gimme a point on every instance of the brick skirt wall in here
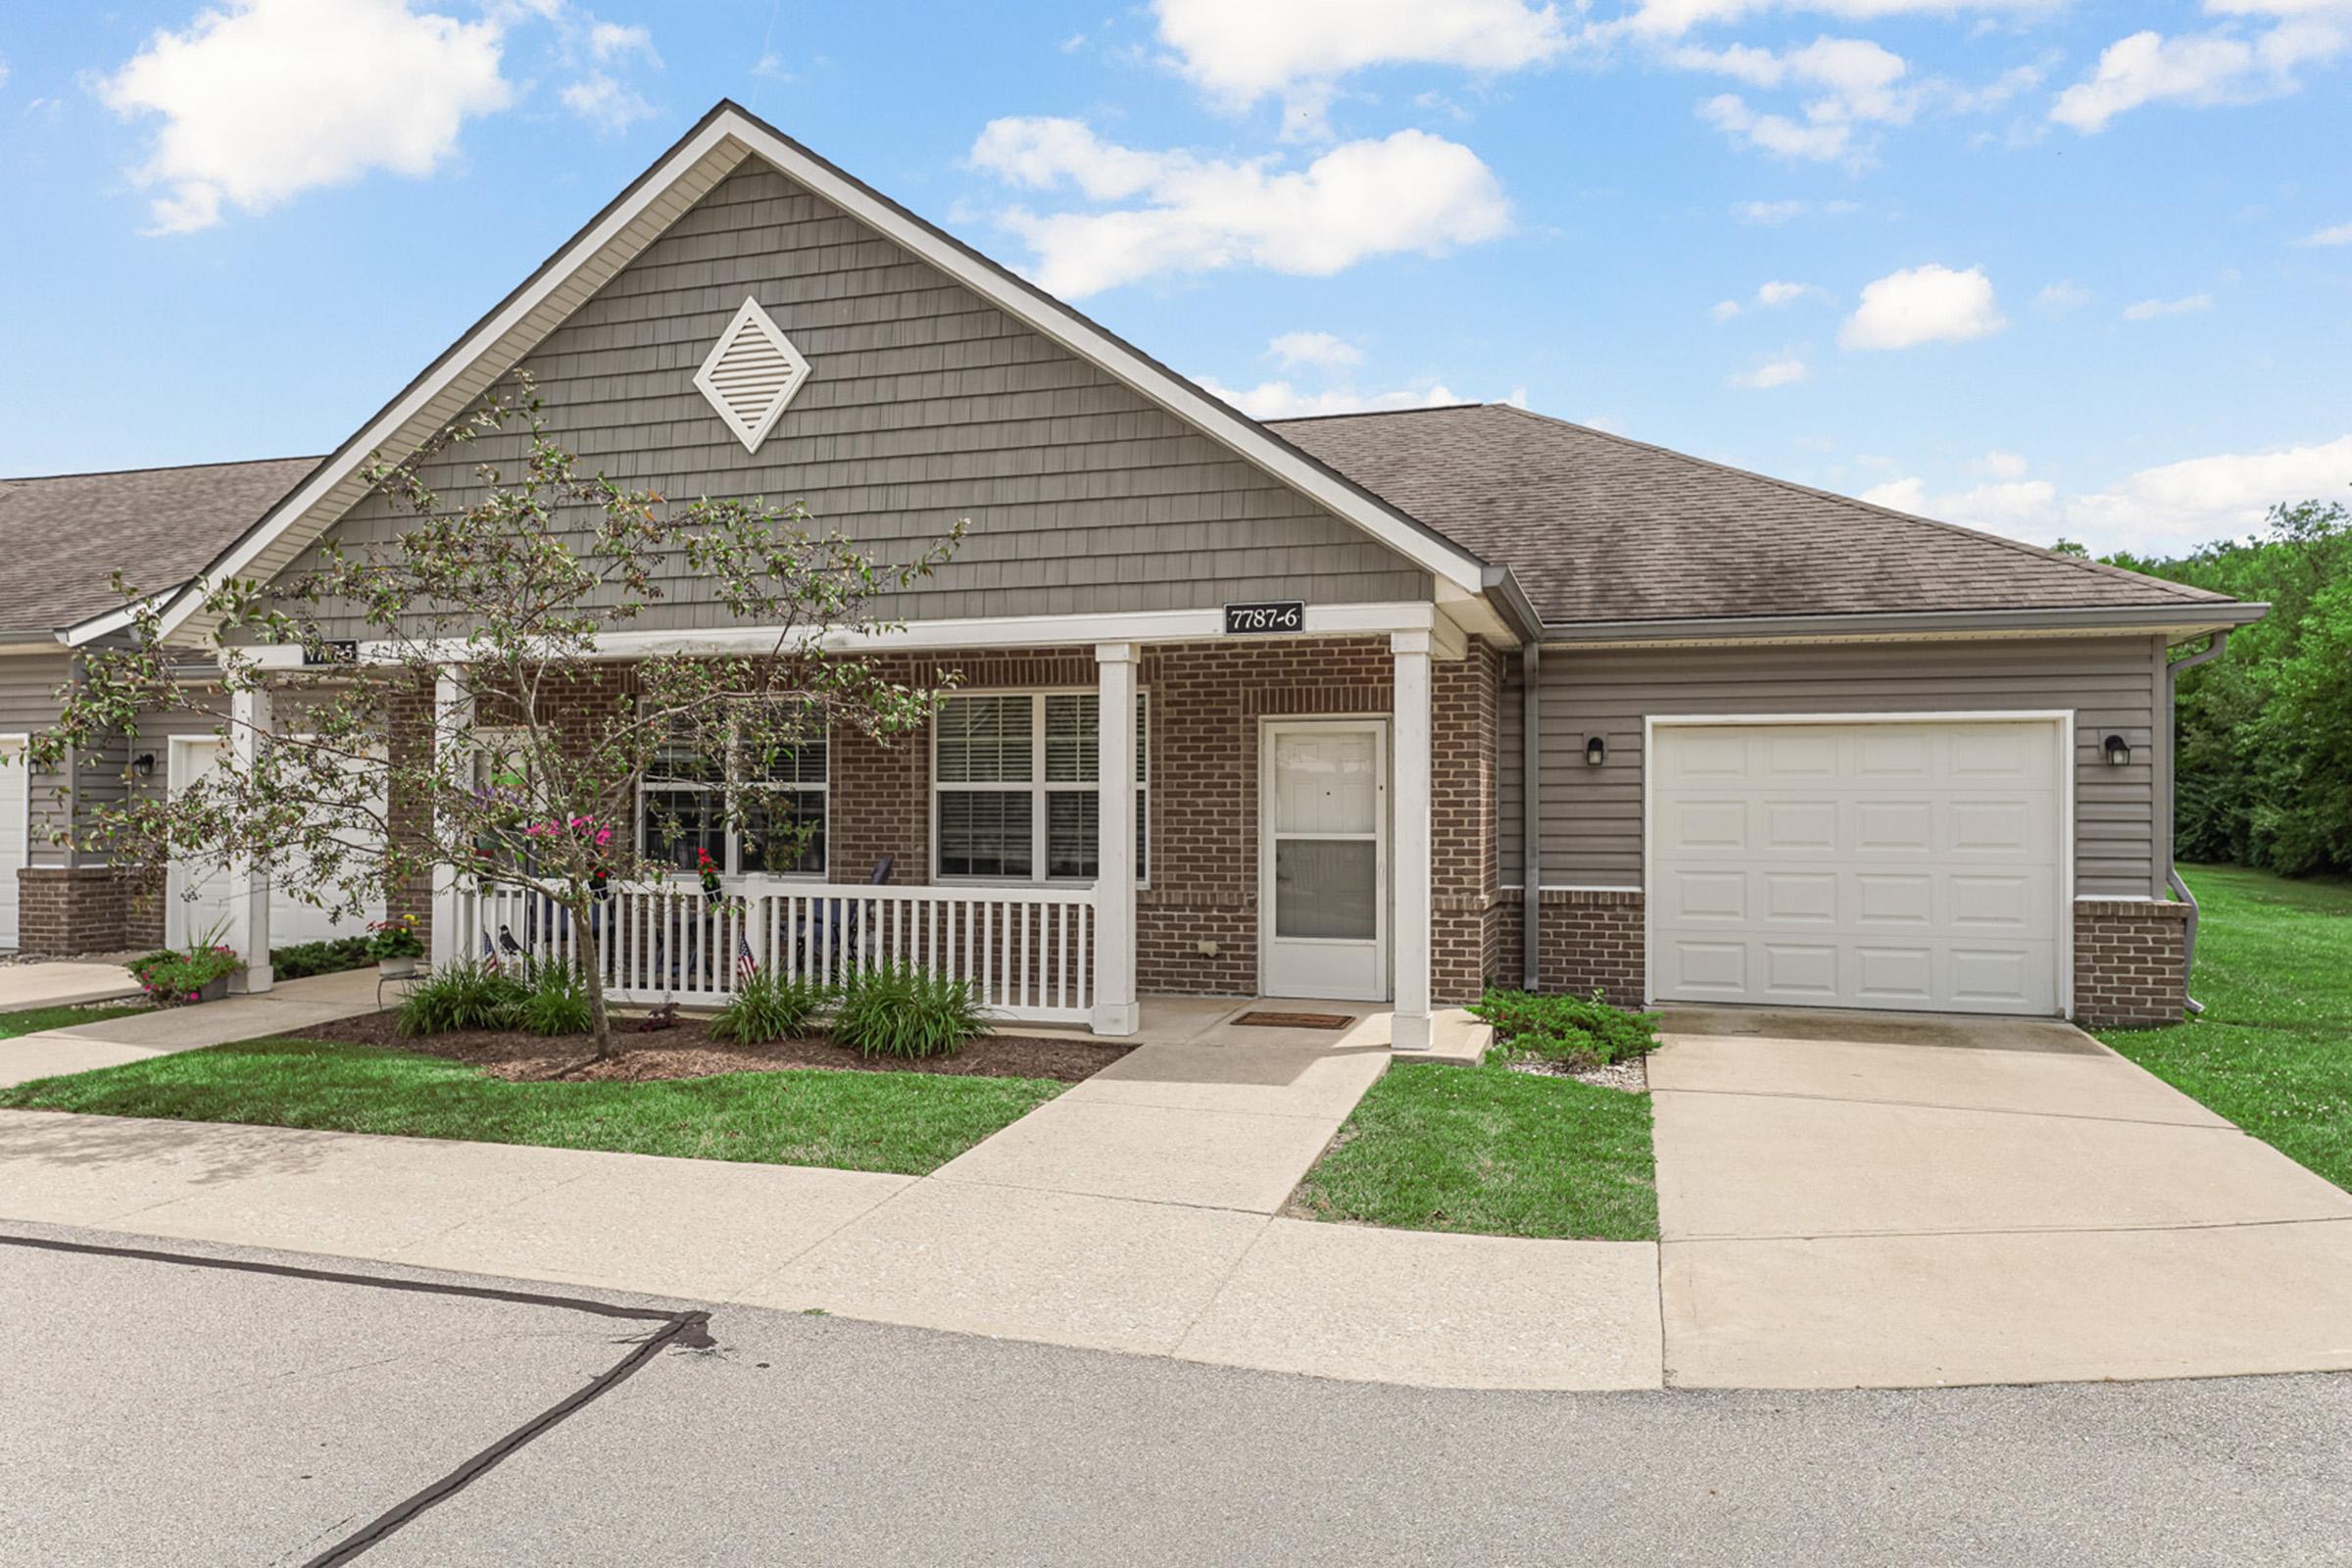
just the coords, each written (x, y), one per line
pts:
(1591, 941)
(64, 910)
(2131, 963)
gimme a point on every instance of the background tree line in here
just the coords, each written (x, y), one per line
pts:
(2265, 761)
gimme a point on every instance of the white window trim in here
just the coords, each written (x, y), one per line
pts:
(733, 870)
(1038, 787)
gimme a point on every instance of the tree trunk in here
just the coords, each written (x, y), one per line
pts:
(591, 949)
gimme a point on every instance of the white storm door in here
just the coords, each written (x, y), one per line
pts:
(1323, 859)
(1903, 864)
(291, 919)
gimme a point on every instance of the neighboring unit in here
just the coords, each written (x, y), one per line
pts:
(1401, 703)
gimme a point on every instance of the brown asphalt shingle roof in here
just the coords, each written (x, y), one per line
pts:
(63, 537)
(1597, 527)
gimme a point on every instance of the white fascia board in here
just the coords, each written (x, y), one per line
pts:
(118, 618)
(950, 636)
(1446, 561)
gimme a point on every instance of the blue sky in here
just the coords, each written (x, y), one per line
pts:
(2045, 267)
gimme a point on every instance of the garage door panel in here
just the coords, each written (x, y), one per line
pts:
(1873, 865)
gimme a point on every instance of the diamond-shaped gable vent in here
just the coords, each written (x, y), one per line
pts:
(751, 374)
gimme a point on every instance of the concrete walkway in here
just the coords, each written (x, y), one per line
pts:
(292, 1005)
(1895, 1201)
(1137, 1212)
(62, 983)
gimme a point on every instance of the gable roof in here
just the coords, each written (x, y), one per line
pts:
(68, 533)
(1603, 530)
(722, 139)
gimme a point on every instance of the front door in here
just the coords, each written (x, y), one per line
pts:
(1323, 859)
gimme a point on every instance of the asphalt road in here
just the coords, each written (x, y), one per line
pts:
(156, 1412)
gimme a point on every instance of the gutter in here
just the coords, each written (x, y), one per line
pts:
(2181, 618)
(2172, 873)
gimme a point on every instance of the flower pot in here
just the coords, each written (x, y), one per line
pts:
(214, 989)
(397, 968)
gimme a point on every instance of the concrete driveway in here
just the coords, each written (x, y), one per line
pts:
(1879, 1201)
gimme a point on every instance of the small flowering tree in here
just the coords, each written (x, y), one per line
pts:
(482, 731)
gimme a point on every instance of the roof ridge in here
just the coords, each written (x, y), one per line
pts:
(2181, 590)
(158, 467)
(1375, 414)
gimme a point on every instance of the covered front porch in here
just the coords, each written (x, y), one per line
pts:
(1281, 839)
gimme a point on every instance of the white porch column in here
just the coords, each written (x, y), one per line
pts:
(1115, 1010)
(1411, 942)
(452, 715)
(248, 883)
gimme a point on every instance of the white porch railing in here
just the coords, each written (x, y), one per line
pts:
(1029, 952)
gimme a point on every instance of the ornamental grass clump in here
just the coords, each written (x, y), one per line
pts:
(459, 996)
(768, 1006)
(899, 1010)
(1578, 1031)
(554, 1001)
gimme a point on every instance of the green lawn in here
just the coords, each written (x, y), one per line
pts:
(911, 1123)
(1440, 1148)
(2274, 1050)
(32, 1020)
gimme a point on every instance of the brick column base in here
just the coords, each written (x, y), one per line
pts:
(64, 910)
(2131, 963)
(1592, 941)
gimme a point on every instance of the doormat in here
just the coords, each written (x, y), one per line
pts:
(1295, 1020)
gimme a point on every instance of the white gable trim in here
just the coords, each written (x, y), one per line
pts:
(630, 224)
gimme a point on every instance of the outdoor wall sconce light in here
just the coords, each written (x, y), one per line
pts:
(143, 764)
(1596, 750)
(2119, 751)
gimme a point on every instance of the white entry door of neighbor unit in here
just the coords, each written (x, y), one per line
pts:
(1890, 864)
(16, 833)
(186, 918)
(1323, 859)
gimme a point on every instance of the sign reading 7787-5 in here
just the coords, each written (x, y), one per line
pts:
(1288, 614)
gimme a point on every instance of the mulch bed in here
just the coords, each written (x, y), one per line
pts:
(687, 1050)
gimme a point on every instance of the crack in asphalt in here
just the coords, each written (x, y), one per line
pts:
(686, 1330)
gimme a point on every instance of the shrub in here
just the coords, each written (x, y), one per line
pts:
(459, 996)
(1582, 1030)
(899, 1010)
(554, 1001)
(303, 959)
(768, 1006)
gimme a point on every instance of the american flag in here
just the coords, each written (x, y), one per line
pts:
(489, 955)
(744, 964)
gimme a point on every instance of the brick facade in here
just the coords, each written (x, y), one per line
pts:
(2131, 963)
(1591, 941)
(63, 911)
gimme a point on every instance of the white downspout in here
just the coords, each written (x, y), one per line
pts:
(2172, 750)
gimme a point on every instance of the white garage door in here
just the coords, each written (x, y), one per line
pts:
(16, 834)
(1884, 865)
(186, 918)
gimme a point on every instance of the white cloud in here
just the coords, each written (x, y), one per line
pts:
(1671, 18)
(2340, 234)
(1778, 293)
(1322, 350)
(265, 99)
(606, 103)
(1773, 372)
(2002, 464)
(1411, 192)
(1773, 213)
(614, 40)
(2056, 299)
(2150, 309)
(1240, 51)
(1731, 114)
(3, 72)
(2168, 508)
(1928, 304)
(1281, 399)
(2209, 68)
(1724, 309)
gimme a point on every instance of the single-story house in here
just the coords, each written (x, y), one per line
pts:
(1405, 703)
